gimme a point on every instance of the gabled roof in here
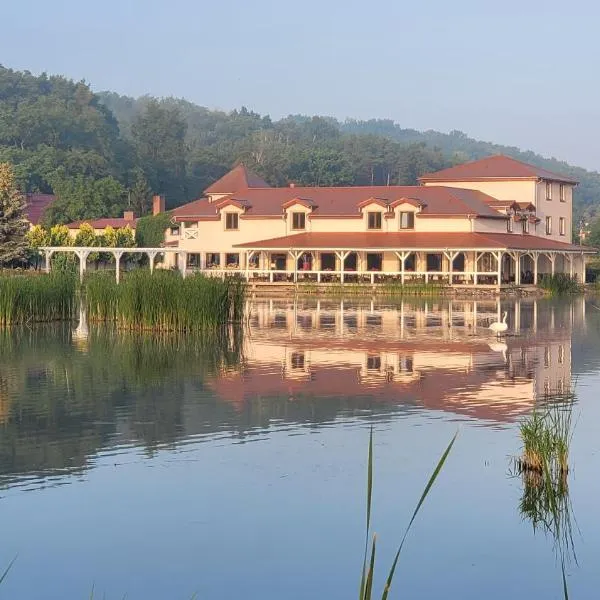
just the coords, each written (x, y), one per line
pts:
(239, 178)
(494, 167)
(35, 206)
(346, 201)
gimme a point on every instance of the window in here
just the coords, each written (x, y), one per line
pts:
(213, 259)
(374, 220)
(193, 260)
(525, 224)
(563, 192)
(458, 264)
(561, 354)
(407, 220)
(231, 221)
(373, 363)
(297, 360)
(548, 190)
(434, 262)
(562, 226)
(232, 261)
(253, 261)
(298, 220)
(548, 225)
(175, 230)
(509, 224)
(374, 261)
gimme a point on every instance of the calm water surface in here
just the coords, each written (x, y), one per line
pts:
(162, 467)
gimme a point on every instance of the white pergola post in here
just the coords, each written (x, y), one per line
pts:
(535, 257)
(342, 255)
(151, 257)
(48, 255)
(499, 266)
(552, 257)
(569, 257)
(117, 254)
(83, 255)
(450, 256)
(401, 257)
(477, 257)
(183, 258)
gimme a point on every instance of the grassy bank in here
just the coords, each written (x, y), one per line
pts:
(164, 301)
(368, 289)
(36, 299)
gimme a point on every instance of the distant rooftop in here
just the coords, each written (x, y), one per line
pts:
(494, 167)
(36, 205)
(239, 178)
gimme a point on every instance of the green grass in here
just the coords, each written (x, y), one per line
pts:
(164, 301)
(36, 298)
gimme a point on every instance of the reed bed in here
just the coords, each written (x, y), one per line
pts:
(546, 437)
(164, 301)
(560, 284)
(36, 299)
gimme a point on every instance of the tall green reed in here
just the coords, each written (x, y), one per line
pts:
(165, 301)
(36, 298)
(368, 570)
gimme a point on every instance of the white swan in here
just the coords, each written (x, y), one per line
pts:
(499, 347)
(499, 326)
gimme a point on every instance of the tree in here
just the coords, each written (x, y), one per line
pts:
(124, 237)
(140, 194)
(13, 224)
(159, 138)
(37, 237)
(59, 236)
(86, 236)
(82, 197)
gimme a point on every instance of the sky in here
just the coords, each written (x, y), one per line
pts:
(522, 73)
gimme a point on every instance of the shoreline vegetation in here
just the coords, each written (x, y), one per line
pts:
(160, 301)
(165, 301)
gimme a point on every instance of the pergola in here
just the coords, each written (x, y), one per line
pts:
(82, 253)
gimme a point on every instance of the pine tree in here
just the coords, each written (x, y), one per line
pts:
(13, 224)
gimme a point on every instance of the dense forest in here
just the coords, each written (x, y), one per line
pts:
(103, 153)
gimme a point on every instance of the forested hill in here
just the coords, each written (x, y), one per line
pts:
(103, 153)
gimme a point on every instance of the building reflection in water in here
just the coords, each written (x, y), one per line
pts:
(435, 354)
(66, 395)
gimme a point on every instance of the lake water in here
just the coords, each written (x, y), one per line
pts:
(163, 467)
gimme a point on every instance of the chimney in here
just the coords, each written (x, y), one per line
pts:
(292, 185)
(158, 204)
(128, 215)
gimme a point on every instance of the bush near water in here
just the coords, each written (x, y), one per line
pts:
(159, 301)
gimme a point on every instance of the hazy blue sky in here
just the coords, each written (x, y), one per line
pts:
(521, 73)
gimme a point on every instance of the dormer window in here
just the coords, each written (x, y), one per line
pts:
(298, 220)
(374, 220)
(407, 220)
(509, 224)
(548, 190)
(231, 221)
(525, 223)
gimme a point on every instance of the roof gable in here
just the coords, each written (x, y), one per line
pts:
(239, 178)
(494, 167)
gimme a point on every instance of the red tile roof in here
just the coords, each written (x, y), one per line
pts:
(36, 204)
(494, 167)
(413, 240)
(238, 178)
(116, 223)
(346, 201)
